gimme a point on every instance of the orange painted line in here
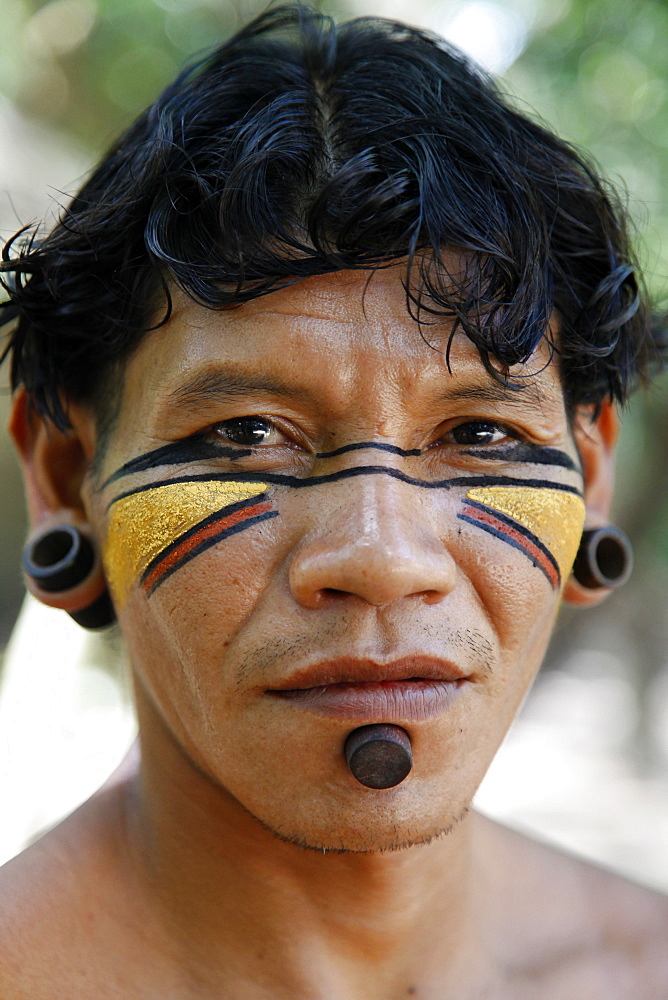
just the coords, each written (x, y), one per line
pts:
(520, 539)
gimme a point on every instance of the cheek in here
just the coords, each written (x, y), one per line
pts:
(176, 555)
(545, 525)
(520, 544)
(156, 531)
(179, 637)
(206, 604)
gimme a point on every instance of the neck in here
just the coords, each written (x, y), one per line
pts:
(238, 901)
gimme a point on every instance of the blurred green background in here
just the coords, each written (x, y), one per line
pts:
(73, 73)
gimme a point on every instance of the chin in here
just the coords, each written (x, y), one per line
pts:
(378, 834)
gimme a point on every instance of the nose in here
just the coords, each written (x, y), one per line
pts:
(377, 544)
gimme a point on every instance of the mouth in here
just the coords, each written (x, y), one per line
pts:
(407, 690)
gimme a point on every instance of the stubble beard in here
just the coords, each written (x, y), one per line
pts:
(400, 840)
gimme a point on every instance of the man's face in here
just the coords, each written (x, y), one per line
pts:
(310, 524)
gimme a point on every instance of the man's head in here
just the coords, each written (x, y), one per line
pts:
(354, 448)
(299, 499)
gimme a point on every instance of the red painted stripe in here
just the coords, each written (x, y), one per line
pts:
(531, 550)
(210, 530)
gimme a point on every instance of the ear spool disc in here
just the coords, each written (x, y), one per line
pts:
(60, 558)
(379, 755)
(604, 558)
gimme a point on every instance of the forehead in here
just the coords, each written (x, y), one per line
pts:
(346, 331)
(345, 312)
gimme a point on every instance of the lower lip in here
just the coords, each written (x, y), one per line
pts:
(389, 701)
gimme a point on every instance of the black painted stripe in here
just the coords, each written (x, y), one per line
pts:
(379, 446)
(532, 454)
(520, 528)
(295, 482)
(195, 448)
(208, 542)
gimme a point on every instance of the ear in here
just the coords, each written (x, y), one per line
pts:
(54, 465)
(595, 438)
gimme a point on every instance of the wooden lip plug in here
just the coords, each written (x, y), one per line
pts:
(380, 755)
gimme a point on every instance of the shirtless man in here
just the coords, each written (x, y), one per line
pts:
(317, 379)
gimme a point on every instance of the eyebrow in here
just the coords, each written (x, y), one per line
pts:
(498, 392)
(205, 387)
(209, 385)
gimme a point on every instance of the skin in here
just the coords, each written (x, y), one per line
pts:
(235, 855)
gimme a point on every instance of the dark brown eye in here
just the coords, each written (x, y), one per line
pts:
(477, 432)
(245, 430)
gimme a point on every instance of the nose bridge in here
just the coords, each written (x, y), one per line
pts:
(371, 538)
(385, 512)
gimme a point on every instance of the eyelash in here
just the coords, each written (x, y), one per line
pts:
(220, 429)
(225, 429)
(506, 432)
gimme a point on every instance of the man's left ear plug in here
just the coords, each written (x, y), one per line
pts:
(62, 558)
(604, 558)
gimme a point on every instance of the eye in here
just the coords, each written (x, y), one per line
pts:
(477, 432)
(249, 431)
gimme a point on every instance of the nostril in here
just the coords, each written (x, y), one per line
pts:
(332, 594)
(432, 596)
(321, 596)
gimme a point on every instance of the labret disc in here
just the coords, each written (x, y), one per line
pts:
(379, 756)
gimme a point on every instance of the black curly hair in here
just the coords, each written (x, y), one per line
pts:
(299, 148)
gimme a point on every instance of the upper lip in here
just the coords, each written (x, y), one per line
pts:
(364, 670)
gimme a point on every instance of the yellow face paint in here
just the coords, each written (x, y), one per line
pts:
(145, 523)
(555, 517)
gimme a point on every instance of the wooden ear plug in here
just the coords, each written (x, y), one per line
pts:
(379, 756)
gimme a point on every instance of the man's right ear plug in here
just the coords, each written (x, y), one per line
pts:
(60, 559)
(604, 559)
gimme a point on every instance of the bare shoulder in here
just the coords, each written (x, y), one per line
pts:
(57, 899)
(572, 922)
(32, 923)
